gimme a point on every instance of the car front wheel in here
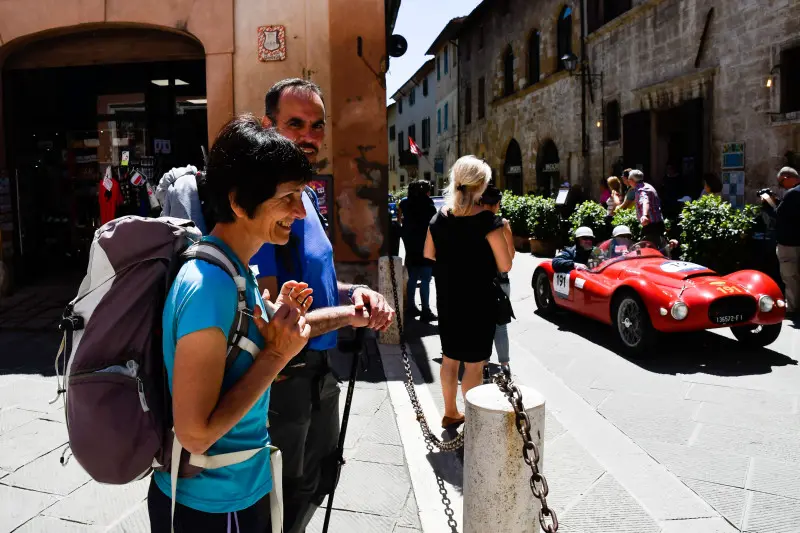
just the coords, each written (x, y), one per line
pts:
(543, 293)
(757, 336)
(633, 324)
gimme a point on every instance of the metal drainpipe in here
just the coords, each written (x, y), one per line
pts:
(458, 100)
(584, 136)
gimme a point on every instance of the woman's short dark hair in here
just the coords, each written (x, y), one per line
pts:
(713, 182)
(250, 161)
(492, 195)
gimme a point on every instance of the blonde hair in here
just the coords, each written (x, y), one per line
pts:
(468, 180)
(614, 184)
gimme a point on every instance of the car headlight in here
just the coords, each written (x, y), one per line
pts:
(765, 304)
(679, 311)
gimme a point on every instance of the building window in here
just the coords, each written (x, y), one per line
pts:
(438, 122)
(790, 80)
(392, 134)
(564, 39)
(426, 176)
(402, 179)
(480, 37)
(426, 133)
(446, 115)
(533, 57)
(425, 86)
(600, 12)
(446, 58)
(412, 97)
(505, 7)
(412, 134)
(455, 56)
(468, 105)
(508, 71)
(438, 68)
(400, 143)
(612, 119)
(400, 106)
(481, 98)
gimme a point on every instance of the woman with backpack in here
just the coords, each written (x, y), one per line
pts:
(469, 248)
(220, 403)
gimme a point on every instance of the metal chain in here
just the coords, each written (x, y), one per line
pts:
(530, 452)
(430, 438)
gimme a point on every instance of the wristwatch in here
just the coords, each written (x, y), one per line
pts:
(353, 289)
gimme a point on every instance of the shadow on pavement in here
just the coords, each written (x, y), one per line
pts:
(681, 353)
(415, 330)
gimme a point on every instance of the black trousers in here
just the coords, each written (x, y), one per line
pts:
(254, 519)
(304, 424)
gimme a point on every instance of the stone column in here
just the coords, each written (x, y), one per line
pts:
(497, 494)
(391, 335)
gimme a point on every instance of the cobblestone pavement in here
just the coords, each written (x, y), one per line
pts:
(38, 495)
(721, 419)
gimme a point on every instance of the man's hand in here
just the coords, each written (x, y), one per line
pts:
(645, 220)
(359, 317)
(381, 313)
(581, 266)
(672, 244)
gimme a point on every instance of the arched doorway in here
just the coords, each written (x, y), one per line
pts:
(81, 105)
(548, 169)
(512, 168)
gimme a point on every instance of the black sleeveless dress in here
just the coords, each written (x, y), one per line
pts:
(465, 269)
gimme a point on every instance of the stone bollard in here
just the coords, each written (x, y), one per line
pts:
(497, 493)
(391, 335)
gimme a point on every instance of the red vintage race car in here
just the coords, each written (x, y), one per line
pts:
(643, 292)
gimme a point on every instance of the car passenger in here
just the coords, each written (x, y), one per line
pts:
(620, 242)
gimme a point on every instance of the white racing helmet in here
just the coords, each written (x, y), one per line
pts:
(584, 231)
(621, 230)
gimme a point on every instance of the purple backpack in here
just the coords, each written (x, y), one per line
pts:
(117, 400)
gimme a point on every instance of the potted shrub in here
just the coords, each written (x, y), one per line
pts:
(543, 226)
(592, 215)
(715, 234)
(516, 210)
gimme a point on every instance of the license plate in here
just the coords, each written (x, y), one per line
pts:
(728, 319)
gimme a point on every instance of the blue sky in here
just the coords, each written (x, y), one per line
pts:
(420, 21)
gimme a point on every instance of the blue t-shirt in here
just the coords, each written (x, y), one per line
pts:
(204, 296)
(309, 255)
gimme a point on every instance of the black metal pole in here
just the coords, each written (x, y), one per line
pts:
(359, 346)
(584, 136)
(603, 118)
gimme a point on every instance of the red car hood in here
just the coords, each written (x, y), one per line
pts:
(673, 270)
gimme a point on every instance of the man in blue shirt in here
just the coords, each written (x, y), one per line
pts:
(304, 404)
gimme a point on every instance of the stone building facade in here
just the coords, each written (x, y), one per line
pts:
(708, 86)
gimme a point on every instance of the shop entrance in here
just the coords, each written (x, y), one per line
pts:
(512, 168)
(548, 169)
(106, 104)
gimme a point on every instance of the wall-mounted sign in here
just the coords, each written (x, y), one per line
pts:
(733, 187)
(162, 146)
(551, 167)
(515, 169)
(271, 43)
(438, 165)
(732, 155)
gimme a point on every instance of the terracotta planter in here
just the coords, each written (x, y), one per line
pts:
(542, 247)
(521, 244)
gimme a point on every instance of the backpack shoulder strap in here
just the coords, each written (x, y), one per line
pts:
(237, 337)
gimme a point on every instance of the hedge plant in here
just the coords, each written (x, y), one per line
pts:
(544, 221)
(593, 215)
(517, 210)
(715, 234)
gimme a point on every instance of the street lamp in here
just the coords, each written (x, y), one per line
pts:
(571, 61)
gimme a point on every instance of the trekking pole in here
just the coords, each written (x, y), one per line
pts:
(358, 345)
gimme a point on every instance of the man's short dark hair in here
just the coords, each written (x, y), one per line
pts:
(274, 94)
(251, 161)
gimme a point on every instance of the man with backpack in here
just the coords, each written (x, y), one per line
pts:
(304, 404)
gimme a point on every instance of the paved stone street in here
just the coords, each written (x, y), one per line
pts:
(38, 495)
(702, 433)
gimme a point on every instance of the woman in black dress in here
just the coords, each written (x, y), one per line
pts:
(469, 247)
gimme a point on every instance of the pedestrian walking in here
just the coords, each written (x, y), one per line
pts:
(787, 231)
(491, 202)
(648, 209)
(469, 247)
(417, 210)
(256, 177)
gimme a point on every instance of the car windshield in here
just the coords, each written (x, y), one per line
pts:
(603, 257)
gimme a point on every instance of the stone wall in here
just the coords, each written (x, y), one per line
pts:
(651, 61)
(538, 110)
